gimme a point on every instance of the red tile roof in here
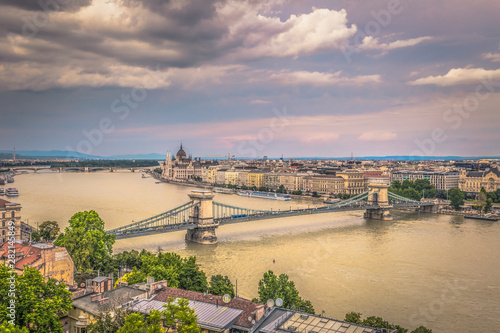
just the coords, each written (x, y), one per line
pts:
(249, 308)
(3, 202)
(25, 254)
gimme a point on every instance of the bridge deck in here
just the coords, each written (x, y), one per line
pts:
(145, 230)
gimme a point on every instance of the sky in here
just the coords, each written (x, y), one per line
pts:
(251, 78)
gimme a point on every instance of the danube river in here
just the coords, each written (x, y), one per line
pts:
(420, 269)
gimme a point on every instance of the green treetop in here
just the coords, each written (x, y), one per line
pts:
(179, 317)
(456, 198)
(221, 285)
(39, 304)
(49, 230)
(274, 287)
(87, 242)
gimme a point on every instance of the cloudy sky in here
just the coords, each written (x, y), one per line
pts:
(251, 78)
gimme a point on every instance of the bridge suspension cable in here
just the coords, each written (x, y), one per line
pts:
(401, 198)
(221, 210)
(354, 199)
(178, 215)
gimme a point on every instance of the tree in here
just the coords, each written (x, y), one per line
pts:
(488, 205)
(281, 189)
(133, 277)
(129, 259)
(441, 194)
(179, 317)
(353, 317)
(377, 322)
(221, 285)
(87, 242)
(39, 304)
(191, 277)
(168, 274)
(49, 230)
(158, 171)
(422, 184)
(412, 194)
(137, 323)
(35, 236)
(274, 287)
(9, 328)
(407, 184)
(456, 198)
(108, 322)
(396, 184)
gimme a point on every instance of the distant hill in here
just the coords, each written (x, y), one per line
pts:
(50, 154)
(9, 156)
(63, 154)
(152, 156)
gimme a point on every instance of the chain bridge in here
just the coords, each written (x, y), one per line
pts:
(201, 215)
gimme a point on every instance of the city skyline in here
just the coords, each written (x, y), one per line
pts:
(309, 78)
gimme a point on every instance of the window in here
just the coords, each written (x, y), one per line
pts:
(13, 214)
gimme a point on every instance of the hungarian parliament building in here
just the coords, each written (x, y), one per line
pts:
(181, 167)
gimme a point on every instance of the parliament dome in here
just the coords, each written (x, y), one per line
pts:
(181, 153)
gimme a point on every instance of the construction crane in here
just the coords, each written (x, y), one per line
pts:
(228, 155)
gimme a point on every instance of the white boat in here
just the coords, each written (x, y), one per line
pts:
(11, 192)
(332, 200)
(265, 195)
(223, 190)
(2, 191)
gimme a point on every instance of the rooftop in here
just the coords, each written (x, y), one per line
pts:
(117, 297)
(26, 254)
(100, 279)
(5, 203)
(283, 320)
(248, 308)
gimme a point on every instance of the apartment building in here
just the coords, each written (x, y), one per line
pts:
(291, 181)
(354, 181)
(442, 180)
(271, 180)
(256, 178)
(11, 211)
(325, 184)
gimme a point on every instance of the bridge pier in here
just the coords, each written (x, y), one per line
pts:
(379, 197)
(202, 215)
(378, 214)
(429, 209)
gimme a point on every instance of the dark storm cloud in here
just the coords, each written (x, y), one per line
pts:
(233, 61)
(47, 5)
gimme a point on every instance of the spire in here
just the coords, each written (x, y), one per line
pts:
(181, 145)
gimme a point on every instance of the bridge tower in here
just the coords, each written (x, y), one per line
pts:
(202, 215)
(381, 198)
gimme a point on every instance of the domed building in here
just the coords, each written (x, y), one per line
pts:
(181, 167)
(181, 154)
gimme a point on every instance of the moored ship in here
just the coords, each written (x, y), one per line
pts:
(265, 195)
(2, 191)
(11, 192)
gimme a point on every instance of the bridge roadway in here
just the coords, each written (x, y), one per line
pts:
(144, 231)
(74, 169)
